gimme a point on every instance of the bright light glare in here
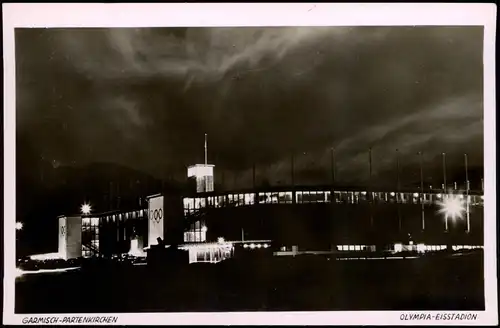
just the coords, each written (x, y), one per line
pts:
(46, 256)
(19, 273)
(86, 208)
(19, 226)
(252, 246)
(452, 207)
(220, 240)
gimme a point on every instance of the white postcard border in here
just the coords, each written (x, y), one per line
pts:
(297, 14)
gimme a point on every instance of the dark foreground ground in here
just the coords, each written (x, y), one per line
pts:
(275, 284)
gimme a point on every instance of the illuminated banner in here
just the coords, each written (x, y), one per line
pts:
(62, 249)
(155, 219)
(70, 237)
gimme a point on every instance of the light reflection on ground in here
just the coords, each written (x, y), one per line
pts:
(20, 272)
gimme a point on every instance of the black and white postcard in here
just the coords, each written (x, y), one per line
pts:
(249, 164)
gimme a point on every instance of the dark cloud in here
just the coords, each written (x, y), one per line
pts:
(145, 97)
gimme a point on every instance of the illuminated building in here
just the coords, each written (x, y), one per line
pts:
(203, 175)
(129, 232)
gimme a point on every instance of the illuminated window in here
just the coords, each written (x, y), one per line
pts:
(420, 248)
(262, 197)
(316, 197)
(351, 247)
(249, 199)
(337, 197)
(357, 247)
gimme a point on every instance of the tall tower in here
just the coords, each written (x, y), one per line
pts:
(203, 174)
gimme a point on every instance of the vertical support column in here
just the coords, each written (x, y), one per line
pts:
(370, 195)
(467, 193)
(422, 190)
(294, 201)
(398, 193)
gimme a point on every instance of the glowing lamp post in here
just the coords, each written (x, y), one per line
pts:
(85, 209)
(452, 207)
(19, 226)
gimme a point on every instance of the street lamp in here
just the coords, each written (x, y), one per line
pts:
(19, 226)
(86, 209)
(452, 207)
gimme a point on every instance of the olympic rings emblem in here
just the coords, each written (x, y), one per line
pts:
(156, 215)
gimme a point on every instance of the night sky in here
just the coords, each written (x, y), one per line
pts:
(144, 98)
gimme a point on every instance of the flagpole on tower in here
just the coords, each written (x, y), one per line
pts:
(206, 157)
(206, 162)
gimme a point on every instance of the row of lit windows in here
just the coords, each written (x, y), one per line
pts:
(275, 197)
(115, 217)
(351, 197)
(355, 247)
(90, 234)
(92, 222)
(432, 247)
(94, 230)
(195, 235)
(459, 247)
(426, 248)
